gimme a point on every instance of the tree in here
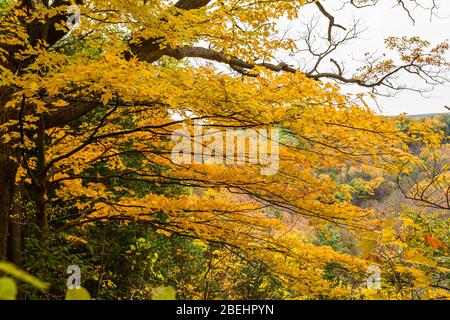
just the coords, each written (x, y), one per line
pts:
(426, 182)
(412, 248)
(85, 111)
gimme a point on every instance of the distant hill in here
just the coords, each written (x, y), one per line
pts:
(427, 115)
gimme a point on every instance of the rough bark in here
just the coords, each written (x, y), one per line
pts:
(41, 177)
(7, 183)
(8, 170)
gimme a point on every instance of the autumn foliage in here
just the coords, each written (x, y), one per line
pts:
(87, 176)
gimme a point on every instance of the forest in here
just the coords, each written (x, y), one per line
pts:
(210, 150)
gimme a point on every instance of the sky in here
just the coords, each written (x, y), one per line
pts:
(384, 19)
(388, 19)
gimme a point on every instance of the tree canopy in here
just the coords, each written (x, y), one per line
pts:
(89, 104)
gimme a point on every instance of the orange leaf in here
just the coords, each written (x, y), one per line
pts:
(434, 242)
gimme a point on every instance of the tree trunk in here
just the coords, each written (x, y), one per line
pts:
(41, 177)
(15, 242)
(15, 233)
(8, 171)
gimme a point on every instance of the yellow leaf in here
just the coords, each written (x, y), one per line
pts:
(8, 289)
(163, 293)
(77, 294)
(60, 103)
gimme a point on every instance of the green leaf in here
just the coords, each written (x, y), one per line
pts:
(8, 289)
(78, 294)
(19, 274)
(163, 293)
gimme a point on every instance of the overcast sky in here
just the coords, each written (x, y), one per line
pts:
(386, 19)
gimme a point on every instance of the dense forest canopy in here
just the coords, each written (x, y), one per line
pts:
(92, 92)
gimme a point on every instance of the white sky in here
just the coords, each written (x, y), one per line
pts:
(386, 19)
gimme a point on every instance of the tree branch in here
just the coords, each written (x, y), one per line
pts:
(67, 114)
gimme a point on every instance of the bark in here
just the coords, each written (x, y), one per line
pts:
(68, 114)
(41, 181)
(15, 241)
(191, 4)
(41, 217)
(8, 170)
(15, 234)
